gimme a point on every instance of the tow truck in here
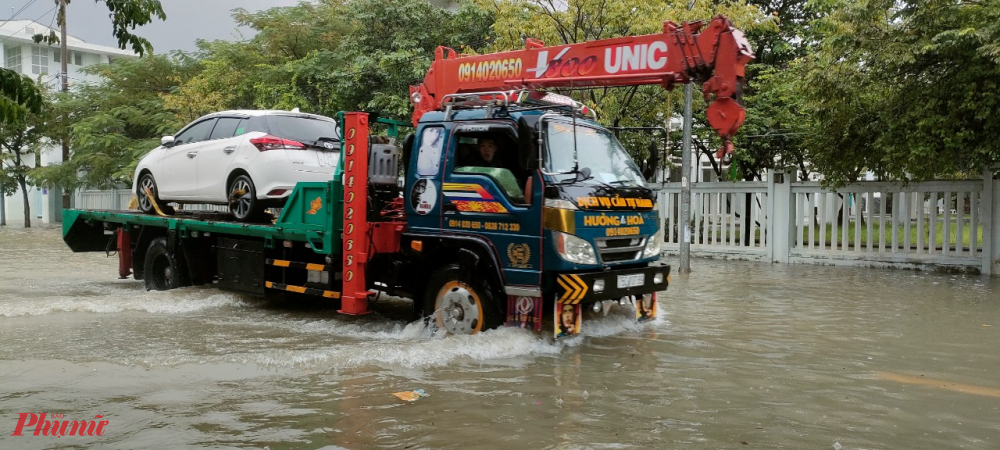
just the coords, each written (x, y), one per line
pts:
(559, 220)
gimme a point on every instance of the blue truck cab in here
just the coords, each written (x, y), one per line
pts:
(558, 219)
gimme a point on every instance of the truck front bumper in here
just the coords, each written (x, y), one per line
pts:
(587, 288)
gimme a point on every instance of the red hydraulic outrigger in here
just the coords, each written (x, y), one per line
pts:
(716, 57)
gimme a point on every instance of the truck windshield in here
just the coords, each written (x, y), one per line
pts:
(596, 149)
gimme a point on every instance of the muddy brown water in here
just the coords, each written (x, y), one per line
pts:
(744, 355)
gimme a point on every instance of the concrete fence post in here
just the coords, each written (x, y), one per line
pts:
(991, 223)
(779, 211)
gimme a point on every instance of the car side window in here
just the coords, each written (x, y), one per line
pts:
(255, 123)
(225, 127)
(241, 128)
(195, 133)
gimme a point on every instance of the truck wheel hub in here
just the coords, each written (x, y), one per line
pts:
(459, 310)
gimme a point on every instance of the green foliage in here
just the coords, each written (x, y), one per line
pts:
(18, 96)
(906, 89)
(390, 47)
(20, 138)
(115, 123)
(328, 56)
(126, 15)
(772, 136)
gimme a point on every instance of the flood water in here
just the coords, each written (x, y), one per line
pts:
(744, 355)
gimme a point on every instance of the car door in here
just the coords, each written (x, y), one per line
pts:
(177, 177)
(214, 158)
(492, 201)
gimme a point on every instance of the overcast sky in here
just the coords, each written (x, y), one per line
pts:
(187, 20)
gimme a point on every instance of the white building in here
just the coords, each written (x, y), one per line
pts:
(42, 63)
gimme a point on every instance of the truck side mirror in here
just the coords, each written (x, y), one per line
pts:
(528, 142)
(167, 141)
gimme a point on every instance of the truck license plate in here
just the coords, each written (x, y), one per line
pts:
(627, 281)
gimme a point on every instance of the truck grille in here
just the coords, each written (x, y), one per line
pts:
(620, 249)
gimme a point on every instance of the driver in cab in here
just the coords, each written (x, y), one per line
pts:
(484, 158)
(486, 154)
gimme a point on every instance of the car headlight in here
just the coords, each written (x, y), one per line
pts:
(559, 203)
(653, 245)
(574, 249)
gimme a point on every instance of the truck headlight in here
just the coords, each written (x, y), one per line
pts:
(574, 249)
(560, 203)
(653, 245)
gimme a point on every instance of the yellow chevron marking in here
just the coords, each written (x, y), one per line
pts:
(575, 289)
(281, 263)
(315, 267)
(268, 284)
(566, 289)
(331, 294)
(583, 285)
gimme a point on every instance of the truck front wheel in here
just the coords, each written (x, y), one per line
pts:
(161, 270)
(459, 304)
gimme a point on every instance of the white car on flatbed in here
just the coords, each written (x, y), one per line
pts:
(247, 159)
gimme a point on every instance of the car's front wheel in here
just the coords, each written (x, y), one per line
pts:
(243, 203)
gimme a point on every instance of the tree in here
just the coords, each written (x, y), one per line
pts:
(18, 96)
(391, 45)
(276, 69)
(114, 123)
(125, 15)
(329, 56)
(20, 137)
(908, 90)
(773, 134)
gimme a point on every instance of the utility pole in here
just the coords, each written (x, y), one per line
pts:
(3, 212)
(64, 78)
(685, 237)
(686, 183)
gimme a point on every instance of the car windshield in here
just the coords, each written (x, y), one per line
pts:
(596, 149)
(301, 128)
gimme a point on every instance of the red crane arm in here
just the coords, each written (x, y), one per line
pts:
(716, 57)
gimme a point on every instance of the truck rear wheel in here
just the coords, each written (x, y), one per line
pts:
(460, 304)
(161, 269)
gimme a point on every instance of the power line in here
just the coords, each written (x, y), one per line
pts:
(53, 20)
(22, 9)
(26, 26)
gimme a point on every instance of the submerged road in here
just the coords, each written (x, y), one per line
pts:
(744, 355)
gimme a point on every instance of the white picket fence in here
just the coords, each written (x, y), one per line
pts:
(936, 223)
(118, 199)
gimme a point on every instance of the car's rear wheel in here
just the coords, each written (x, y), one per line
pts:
(243, 203)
